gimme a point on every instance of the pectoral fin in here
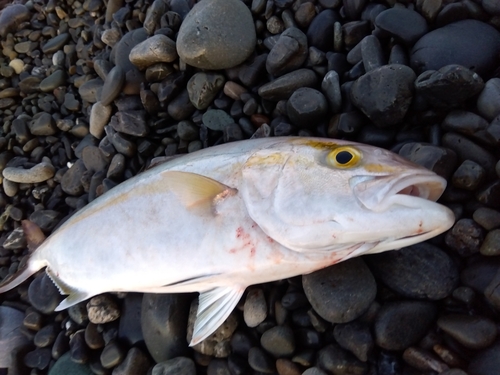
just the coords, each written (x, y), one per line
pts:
(74, 296)
(195, 190)
(213, 309)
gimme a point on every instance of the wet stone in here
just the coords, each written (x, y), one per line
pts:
(198, 41)
(488, 101)
(401, 324)
(423, 359)
(488, 218)
(306, 107)
(491, 244)
(43, 294)
(284, 86)
(384, 94)
(156, 49)
(43, 124)
(473, 332)
(469, 175)
(438, 159)
(449, 86)
(116, 167)
(203, 88)
(130, 122)
(38, 173)
(113, 85)
(342, 292)
(260, 361)
(289, 52)
(404, 25)
(15, 240)
(420, 271)
(93, 338)
(465, 237)
(33, 319)
(279, 341)
(255, 307)
(456, 43)
(177, 366)
(356, 338)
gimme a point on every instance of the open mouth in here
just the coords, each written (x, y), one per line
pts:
(377, 193)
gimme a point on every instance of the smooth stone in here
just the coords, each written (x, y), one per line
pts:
(187, 131)
(467, 123)
(11, 16)
(113, 85)
(93, 338)
(216, 119)
(55, 44)
(356, 338)
(474, 332)
(43, 124)
(153, 16)
(46, 336)
(401, 324)
(490, 195)
(468, 176)
(279, 341)
(121, 50)
(371, 53)
(456, 43)
(112, 355)
(252, 70)
(15, 240)
(71, 181)
(209, 22)
(45, 219)
(480, 273)
(102, 309)
(255, 307)
(488, 218)
(11, 336)
(38, 358)
(342, 292)
(404, 25)
(56, 79)
(156, 49)
(440, 160)
(336, 360)
(288, 54)
(71, 103)
(129, 329)
(175, 366)
(43, 294)
(486, 362)
(465, 237)
(64, 365)
(99, 118)
(449, 86)
(203, 88)
(93, 159)
(30, 85)
(181, 108)
(320, 31)
(491, 244)
(283, 87)
(384, 94)
(306, 107)
(488, 101)
(38, 173)
(88, 91)
(421, 271)
(78, 348)
(120, 143)
(260, 361)
(136, 362)
(130, 122)
(164, 325)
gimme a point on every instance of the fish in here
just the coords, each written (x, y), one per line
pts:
(223, 218)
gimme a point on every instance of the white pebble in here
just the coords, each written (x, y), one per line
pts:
(99, 118)
(10, 188)
(39, 173)
(255, 308)
(17, 65)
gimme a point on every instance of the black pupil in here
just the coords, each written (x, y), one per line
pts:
(343, 157)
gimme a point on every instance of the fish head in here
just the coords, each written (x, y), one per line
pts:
(320, 194)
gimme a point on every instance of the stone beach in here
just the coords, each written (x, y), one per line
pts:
(92, 91)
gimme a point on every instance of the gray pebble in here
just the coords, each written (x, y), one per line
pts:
(342, 292)
(336, 360)
(260, 361)
(71, 181)
(279, 341)
(306, 107)
(38, 173)
(255, 307)
(46, 336)
(45, 219)
(43, 294)
(65, 365)
(440, 160)
(181, 108)
(116, 167)
(15, 240)
(232, 132)
(56, 79)
(11, 337)
(93, 338)
(289, 52)
(88, 91)
(403, 24)
(136, 362)
(474, 332)
(284, 86)
(469, 175)
(102, 309)
(488, 100)
(486, 362)
(320, 31)
(355, 337)
(314, 371)
(122, 145)
(11, 17)
(401, 324)
(491, 244)
(93, 159)
(10, 188)
(99, 118)
(121, 50)
(467, 123)
(216, 119)
(465, 237)
(371, 53)
(56, 43)
(130, 122)
(43, 124)
(198, 41)
(490, 195)
(492, 291)
(156, 49)
(112, 355)
(113, 85)
(488, 218)
(204, 87)
(153, 16)
(38, 358)
(71, 104)
(384, 94)
(175, 366)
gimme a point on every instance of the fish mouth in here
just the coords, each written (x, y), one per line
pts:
(378, 193)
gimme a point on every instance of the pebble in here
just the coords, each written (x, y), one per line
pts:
(320, 31)
(129, 328)
(11, 17)
(474, 332)
(456, 43)
(405, 25)
(260, 361)
(421, 271)
(99, 118)
(64, 365)
(486, 217)
(255, 307)
(216, 119)
(71, 182)
(490, 195)
(38, 358)
(488, 100)
(10, 188)
(42, 124)
(11, 337)
(468, 176)
(56, 79)
(465, 237)
(113, 85)
(486, 362)
(306, 107)
(46, 220)
(313, 371)
(121, 51)
(130, 122)
(39, 173)
(136, 362)
(204, 87)
(198, 41)
(341, 293)
(356, 338)
(330, 86)
(56, 43)
(155, 49)
(175, 366)
(401, 324)
(289, 52)
(93, 159)
(279, 341)
(46, 336)
(423, 360)
(449, 86)
(112, 355)
(336, 360)
(283, 87)
(384, 94)
(440, 160)
(88, 91)
(43, 294)
(102, 309)
(93, 338)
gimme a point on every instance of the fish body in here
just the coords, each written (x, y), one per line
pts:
(221, 219)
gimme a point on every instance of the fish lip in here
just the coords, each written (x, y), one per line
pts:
(375, 192)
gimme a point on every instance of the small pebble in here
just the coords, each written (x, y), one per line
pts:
(102, 309)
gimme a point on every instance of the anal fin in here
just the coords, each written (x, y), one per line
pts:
(214, 307)
(74, 296)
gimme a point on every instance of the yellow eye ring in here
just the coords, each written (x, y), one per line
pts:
(344, 157)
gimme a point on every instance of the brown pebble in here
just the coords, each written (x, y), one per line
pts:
(423, 360)
(233, 90)
(451, 358)
(258, 119)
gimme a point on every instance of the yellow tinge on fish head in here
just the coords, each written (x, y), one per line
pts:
(226, 217)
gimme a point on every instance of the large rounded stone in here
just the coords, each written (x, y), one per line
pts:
(217, 34)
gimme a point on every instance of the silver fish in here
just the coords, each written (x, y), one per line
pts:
(221, 219)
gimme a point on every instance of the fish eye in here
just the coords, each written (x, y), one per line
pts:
(344, 157)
